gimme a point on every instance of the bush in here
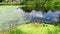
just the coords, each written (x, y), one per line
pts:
(52, 5)
(56, 6)
(33, 5)
(41, 5)
(29, 6)
(48, 5)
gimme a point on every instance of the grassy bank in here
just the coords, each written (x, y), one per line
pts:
(35, 29)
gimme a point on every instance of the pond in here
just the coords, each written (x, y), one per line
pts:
(12, 16)
(8, 15)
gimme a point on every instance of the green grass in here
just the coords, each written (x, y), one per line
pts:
(35, 29)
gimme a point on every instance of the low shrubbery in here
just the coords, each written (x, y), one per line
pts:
(52, 5)
(41, 5)
(44, 5)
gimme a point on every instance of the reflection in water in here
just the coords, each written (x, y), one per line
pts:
(49, 17)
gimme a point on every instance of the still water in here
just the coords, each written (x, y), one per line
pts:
(11, 16)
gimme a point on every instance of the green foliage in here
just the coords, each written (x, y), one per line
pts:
(33, 5)
(44, 5)
(55, 5)
(29, 6)
(41, 5)
(48, 5)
